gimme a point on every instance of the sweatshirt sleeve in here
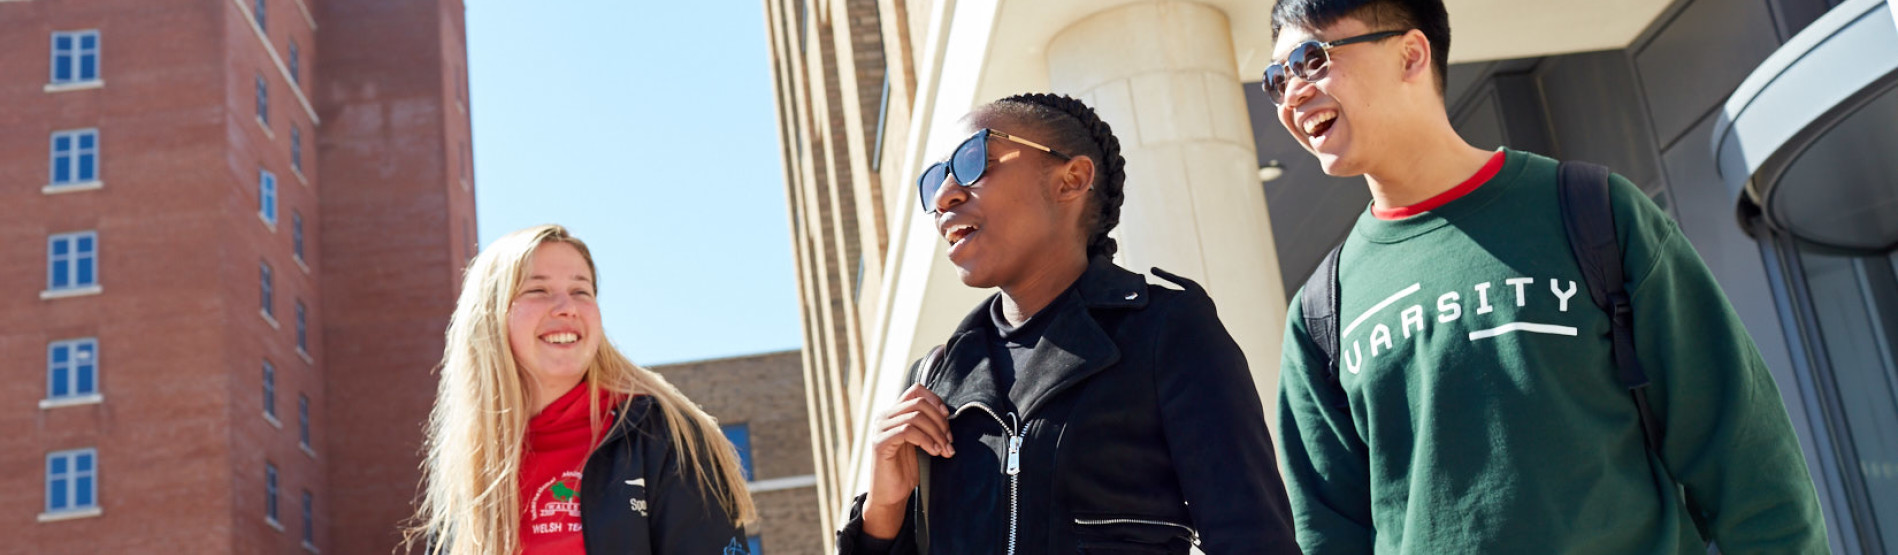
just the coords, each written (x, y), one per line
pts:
(1326, 464)
(1728, 439)
(1217, 436)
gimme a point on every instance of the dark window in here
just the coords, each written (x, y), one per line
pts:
(740, 436)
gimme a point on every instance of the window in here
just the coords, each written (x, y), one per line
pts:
(72, 261)
(296, 66)
(296, 149)
(303, 420)
(75, 157)
(309, 522)
(267, 196)
(303, 329)
(270, 390)
(756, 544)
(72, 479)
(263, 101)
(296, 234)
(75, 56)
(72, 368)
(257, 11)
(270, 492)
(740, 436)
(263, 285)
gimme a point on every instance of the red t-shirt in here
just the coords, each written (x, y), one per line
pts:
(557, 445)
(1489, 170)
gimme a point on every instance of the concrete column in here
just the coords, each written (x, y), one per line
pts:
(1163, 75)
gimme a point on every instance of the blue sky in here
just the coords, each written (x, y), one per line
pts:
(648, 129)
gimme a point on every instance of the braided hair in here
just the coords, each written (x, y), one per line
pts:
(1073, 128)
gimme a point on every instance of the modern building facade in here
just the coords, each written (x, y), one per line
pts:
(759, 401)
(231, 233)
(1763, 126)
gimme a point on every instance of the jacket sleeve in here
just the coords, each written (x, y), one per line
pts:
(851, 541)
(1728, 439)
(1326, 462)
(687, 518)
(1216, 434)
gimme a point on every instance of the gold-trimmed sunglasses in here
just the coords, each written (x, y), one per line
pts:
(970, 161)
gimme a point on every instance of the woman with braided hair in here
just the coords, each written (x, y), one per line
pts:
(1079, 409)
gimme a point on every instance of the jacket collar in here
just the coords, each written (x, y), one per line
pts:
(1073, 347)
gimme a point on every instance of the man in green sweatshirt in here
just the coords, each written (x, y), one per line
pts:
(1474, 407)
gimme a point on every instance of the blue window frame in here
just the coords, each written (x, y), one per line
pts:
(263, 100)
(75, 56)
(72, 260)
(303, 328)
(740, 436)
(296, 148)
(267, 196)
(303, 420)
(270, 492)
(270, 389)
(263, 285)
(309, 521)
(72, 368)
(296, 234)
(72, 480)
(74, 157)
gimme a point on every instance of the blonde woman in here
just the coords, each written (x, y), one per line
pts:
(545, 439)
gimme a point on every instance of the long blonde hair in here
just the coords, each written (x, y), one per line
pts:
(470, 500)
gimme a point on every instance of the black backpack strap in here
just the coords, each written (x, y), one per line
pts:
(1588, 215)
(1320, 306)
(1590, 220)
(923, 368)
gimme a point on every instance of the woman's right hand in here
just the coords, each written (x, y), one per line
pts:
(918, 419)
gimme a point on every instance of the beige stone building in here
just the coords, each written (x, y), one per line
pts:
(759, 400)
(1683, 97)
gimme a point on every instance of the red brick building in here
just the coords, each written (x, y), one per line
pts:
(231, 234)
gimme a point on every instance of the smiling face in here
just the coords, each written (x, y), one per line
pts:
(553, 325)
(1016, 217)
(1345, 118)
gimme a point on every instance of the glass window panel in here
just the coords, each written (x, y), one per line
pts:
(82, 463)
(85, 244)
(86, 166)
(84, 271)
(82, 491)
(60, 381)
(56, 494)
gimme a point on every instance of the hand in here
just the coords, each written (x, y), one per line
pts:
(918, 419)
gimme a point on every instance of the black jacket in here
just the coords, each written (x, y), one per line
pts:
(633, 498)
(1142, 433)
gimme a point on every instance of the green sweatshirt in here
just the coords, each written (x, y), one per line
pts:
(1483, 411)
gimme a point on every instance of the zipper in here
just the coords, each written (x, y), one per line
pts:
(1016, 432)
(1192, 535)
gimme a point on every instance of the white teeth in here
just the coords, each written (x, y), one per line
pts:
(561, 338)
(957, 233)
(1311, 125)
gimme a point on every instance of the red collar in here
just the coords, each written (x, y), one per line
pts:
(1489, 170)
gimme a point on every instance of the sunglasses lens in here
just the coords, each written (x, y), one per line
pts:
(1309, 61)
(971, 159)
(1274, 83)
(929, 183)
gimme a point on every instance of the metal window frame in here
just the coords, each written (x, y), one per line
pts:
(74, 55)
(71, 478)
(72, 258)
(70, 157)
(270, 491)
(267, 196)
(270, 388)
(72, 367)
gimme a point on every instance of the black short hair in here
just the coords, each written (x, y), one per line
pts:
(1428, 16)
(1071, 127)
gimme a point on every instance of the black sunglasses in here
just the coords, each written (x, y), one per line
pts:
(968, 163)
(1309, 61)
